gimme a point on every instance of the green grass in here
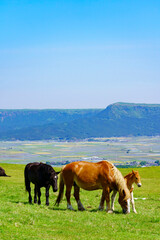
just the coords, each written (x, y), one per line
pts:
(20, 220)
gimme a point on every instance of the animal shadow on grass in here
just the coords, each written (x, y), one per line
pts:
(58, 209)
(53, 208)
(76, 210)
(97, 210)
(25, 203)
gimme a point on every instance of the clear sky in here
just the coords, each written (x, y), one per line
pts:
(79, 53)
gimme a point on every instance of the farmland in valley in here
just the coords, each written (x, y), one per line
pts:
(117, 150)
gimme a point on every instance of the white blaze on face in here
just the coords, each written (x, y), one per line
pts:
(128, 205)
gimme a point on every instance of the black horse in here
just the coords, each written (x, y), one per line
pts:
(2, 172)
(42, 175)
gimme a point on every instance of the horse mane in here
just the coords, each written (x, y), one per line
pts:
(128, 175)
(47, 168)
(120, 182)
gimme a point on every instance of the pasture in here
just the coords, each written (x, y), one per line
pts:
(21, 221)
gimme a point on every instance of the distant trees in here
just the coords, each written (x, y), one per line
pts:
(157, 162)
(143, 163)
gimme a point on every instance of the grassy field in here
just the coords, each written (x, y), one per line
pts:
(20, 220)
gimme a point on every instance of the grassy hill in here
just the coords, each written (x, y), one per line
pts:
(22, 221)
(119, 119)
(24, 118)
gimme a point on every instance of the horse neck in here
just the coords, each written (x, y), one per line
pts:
(127, 192)
(129, 178)
(121, 183)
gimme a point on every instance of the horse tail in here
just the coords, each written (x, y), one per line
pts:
(61, 190)
(27, 182)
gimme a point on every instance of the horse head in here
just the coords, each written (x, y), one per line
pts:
(137, 178)
(53, 180)
(124, 201)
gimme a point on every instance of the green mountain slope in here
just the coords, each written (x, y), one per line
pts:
(19, 119)
(119, 119)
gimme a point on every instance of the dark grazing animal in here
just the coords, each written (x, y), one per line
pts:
(42, 175)
(91, 176)
(2, 172)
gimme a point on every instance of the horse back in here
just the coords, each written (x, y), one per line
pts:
(34, 172)
(39, 173)
(87, 175)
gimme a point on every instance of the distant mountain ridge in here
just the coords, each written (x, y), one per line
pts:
(121, 110)
(118, 119)
(23, 118)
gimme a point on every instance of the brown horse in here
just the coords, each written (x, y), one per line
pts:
(130, 178)
(91, 176)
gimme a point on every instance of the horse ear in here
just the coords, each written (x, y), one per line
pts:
(58, 172)
(132, 171)
(124, 193)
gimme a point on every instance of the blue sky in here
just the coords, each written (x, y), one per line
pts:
(79, 54)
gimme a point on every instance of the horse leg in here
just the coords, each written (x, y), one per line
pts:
(132, 201)
(39, 195)
(27, 184)
(68, 195)
(113, 199)
(107, 198)
(76, 195)
(101, 205)
(35, 194)
(47, 195)
(28, 188)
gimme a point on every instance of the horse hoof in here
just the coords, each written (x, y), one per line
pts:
(100, 209)
(81, 209)
(109, 211)
(69, 207)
